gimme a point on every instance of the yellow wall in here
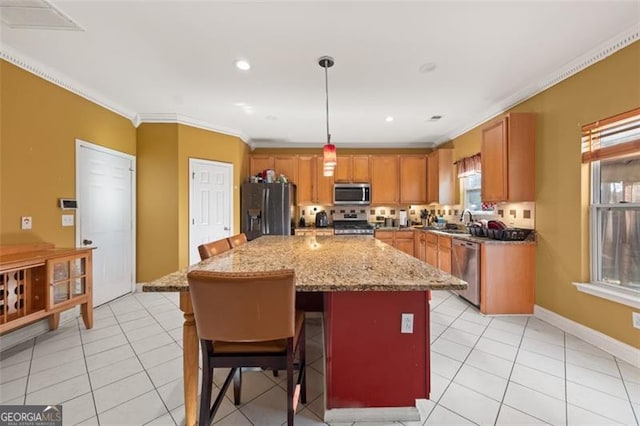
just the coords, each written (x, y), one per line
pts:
(163, 190)
(602, 90)
(157, 235)
(39, 126)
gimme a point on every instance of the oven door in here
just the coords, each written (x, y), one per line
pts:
(351, 194)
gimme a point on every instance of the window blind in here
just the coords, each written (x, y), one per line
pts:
(611, 137)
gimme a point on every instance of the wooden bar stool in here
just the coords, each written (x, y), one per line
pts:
(237, 240)
(215, 247)
(247, 320)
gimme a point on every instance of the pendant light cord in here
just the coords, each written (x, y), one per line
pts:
(326, 90)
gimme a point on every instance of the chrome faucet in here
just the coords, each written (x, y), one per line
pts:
(462, 216)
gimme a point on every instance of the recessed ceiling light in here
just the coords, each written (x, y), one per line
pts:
(271, 117)
(427, 67)
(389, 119)
(243, 65)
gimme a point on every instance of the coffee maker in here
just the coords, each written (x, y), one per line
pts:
(322, 220)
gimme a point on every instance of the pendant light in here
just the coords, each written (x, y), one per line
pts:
(329, 149)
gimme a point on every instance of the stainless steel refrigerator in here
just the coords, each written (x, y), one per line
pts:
(267, 209)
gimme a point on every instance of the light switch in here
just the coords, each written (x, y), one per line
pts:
(26, 222)
(67, 220)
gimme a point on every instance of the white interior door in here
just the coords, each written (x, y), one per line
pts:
(105, 182)
(210, 203)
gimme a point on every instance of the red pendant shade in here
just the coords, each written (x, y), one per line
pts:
(329, 154)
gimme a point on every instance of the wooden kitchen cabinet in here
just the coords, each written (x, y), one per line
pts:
(384, 179)
(258, 163)
(385, 236)
(39, 281)
(413, 179)
(344, 169)
(402, 239)
(444, 253)
(420, 245)
(324, 184)
(360, 169)
(305, 186)
(508, 159)
(352, 169)
(507, 278)
(316, 232)
(286, 165)
(441, 180)
(431, 249)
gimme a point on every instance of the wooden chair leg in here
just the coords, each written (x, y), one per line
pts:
(205, 396)
(303, 365)
(237, 386)
(290, 386)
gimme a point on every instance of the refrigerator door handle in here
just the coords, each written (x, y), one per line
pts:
(263, 226)
(267, 205)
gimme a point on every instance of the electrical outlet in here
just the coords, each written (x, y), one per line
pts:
(407, 323)
(635, 319)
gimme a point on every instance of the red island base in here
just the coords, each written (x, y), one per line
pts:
(370, 363)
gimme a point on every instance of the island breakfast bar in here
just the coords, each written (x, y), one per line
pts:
(371, 367)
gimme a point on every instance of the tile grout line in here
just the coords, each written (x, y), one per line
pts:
(513, 366)
(437, 403)
(26, 385)
(93, 396)
(624, 384)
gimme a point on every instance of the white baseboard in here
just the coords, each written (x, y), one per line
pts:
(377, 414)
(615, 347)
(21, 335)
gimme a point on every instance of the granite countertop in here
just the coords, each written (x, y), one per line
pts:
(340, 263)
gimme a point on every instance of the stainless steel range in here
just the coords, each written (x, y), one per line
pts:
(351, 224)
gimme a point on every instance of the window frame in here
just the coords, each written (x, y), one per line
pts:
(595, 229)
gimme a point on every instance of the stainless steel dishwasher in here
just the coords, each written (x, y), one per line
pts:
(465, 264)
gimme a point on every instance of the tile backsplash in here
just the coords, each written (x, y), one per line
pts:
(517, 215)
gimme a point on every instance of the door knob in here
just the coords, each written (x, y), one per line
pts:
(226, 228)
(87, 242)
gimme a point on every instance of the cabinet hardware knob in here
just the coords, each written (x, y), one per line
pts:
(87, 242)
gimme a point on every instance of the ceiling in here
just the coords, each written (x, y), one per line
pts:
(168, 61)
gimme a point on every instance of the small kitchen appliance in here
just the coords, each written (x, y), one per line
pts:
(403, 218)
(351, 224)
(322, 220)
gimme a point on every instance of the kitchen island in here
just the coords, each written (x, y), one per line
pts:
(373, 371)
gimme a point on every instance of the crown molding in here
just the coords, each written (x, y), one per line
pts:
(369, 145)
(597, 54)
(63, 81)
(188, 121)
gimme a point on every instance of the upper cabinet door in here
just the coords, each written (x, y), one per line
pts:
(508, 159)
(384, 179)
(360, 167)
(306, 179)
(258, 163)
(441, 181)
(287, 165)
(413, 179)
(324, 191)
(343, 171)
(494, 162)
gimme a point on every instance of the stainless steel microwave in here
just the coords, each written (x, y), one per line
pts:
(352, 194)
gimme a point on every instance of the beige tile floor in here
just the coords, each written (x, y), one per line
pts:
(486, 371)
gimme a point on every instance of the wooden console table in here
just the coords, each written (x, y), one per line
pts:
(39, 281)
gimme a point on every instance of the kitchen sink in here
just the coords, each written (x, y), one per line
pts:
(446, 231)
